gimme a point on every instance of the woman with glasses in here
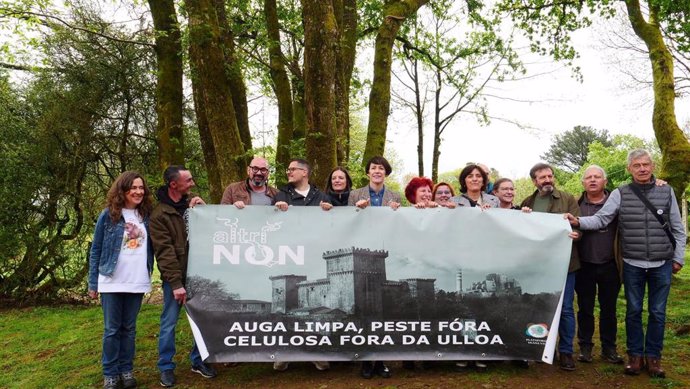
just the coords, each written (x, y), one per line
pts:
(442, 195)
(504, 190)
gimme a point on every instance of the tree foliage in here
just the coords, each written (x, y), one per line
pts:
(613, 159)
(548, 26)
(66, 134)
(569, 149)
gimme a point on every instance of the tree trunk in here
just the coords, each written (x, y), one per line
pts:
(238, 89)
(169, 96)
(675, 148)
(213, 101)
(419, 115)
(281, 88)
(436, 153)
(215, 187)
(346, 19)
(299, 114)
(320, 40)
(395, 13)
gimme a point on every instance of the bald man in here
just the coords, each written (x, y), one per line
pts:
(254, 190)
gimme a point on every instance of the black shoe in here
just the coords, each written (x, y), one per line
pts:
(205, 370)
(367, 370)
(612, 356)
(567, 362)
(382, 370)
(585, 353)
(408, 365)
(128, 381)
(167, 378)
(521, 363)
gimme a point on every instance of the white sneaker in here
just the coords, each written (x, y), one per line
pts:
(322, 365)
(462, 364)
(280, 366)
(480, 365)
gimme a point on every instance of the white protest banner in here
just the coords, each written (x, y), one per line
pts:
(375, 284)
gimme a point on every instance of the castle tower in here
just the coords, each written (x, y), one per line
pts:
(284, 292)
(356, 278)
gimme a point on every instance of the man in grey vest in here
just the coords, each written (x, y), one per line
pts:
(652, 241)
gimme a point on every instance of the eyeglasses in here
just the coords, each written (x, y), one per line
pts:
(256, 169)
(292, 169)
(443, 192)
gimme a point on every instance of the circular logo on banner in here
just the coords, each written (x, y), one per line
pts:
(540, 330)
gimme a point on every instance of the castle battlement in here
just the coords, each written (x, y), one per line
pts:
(321, 281)
(354, 251)
(286, 276)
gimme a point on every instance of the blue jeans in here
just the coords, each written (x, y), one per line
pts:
(166, 338)
(566, 328)
(658, 280)
(120, 312)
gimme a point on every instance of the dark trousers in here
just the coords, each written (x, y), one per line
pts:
(602, 282)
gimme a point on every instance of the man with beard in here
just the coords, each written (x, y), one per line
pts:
(168, 229)
(551, 200)
(652, 238)
(254, 190)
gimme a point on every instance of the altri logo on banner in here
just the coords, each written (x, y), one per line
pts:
(238, 243)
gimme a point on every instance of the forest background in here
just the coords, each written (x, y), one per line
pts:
(90, 88)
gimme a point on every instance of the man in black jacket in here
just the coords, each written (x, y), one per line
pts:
(298, 191)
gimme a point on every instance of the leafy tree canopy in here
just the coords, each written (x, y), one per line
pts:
(569, 150)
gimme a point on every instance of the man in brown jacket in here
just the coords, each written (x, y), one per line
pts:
(551, 200)
(168, 231)
(254, 190)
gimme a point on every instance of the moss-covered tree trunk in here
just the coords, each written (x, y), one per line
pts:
(281, 88)
(320, 40)
(212, 97)
(299, 114)
(346, 19)
(169, 96)
(215, 187)
(238, 89)
(675, 148)
(394, 14)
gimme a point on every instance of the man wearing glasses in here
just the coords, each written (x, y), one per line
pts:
(254, 190)
(298, 191)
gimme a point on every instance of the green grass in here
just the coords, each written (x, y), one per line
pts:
(59, 347)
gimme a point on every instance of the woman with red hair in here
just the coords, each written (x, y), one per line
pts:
(418, 192)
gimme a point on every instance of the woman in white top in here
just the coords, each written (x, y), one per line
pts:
(120, 265)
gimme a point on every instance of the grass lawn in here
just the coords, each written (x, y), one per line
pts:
(59, 347)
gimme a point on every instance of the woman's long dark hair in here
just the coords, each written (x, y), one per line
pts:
(348, 180)
(116, 196)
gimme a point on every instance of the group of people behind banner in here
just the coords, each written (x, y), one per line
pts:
(632, 235)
